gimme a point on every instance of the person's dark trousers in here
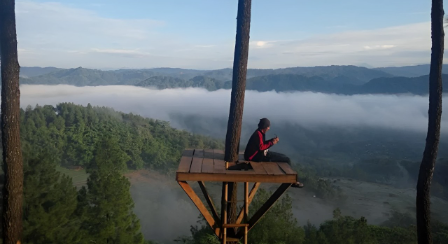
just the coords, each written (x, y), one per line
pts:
(278, 157)
(272, 157)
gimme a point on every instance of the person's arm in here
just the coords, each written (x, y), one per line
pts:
(263, 145)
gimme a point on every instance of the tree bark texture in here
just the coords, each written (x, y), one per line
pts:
(434, 117)
(232, 206)
(10, 118)
(238, 81)
(237, 98)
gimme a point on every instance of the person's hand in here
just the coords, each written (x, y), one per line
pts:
(275, 140)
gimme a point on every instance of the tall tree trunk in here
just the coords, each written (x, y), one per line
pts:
(434, 116)
(10, 119)
(238, 81)
(237, 97)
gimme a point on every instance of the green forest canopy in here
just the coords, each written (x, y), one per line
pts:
(70, 132)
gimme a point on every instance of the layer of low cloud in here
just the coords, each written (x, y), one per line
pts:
(307, 109)
(54, 34)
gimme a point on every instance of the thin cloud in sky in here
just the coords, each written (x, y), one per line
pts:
(307, 109)
(393, 46)
(55, 34)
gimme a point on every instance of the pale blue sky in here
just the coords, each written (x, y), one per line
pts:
(201, 33)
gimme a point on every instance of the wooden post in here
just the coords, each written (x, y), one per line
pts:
(266, 206)
(246, 200)
(251, 196)
(246, 231)
(246, 209)
(224, 211)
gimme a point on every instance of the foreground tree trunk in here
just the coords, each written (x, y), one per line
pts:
(434, 116)
(237, 98)
(238, 81)
(10, 118)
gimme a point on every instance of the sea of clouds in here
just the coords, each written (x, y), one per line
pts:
(308, 109)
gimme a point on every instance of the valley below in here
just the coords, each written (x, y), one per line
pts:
(359, 154)
(166, 212)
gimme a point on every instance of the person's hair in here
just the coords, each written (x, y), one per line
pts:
(264, 123)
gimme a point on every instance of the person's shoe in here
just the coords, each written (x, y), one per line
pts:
(297, 185)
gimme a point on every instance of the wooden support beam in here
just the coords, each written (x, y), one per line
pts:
(246, 210)
(234, 177)
(234, 225)
(249, 200)
(209, 201)
(224, 211)
(232, 239)
(266, 206)
(212, 223)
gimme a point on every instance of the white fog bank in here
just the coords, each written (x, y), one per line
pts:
(308, 109)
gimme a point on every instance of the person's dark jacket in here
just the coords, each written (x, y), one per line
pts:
(256, 145)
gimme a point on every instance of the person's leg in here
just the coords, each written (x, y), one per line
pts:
(278, 157)
(259, 158)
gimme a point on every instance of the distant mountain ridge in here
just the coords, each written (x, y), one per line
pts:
(91, 77)
(410, 71)
(164, 82)
(35, 71)
(355, 74)
(384, 85)
(346, 79)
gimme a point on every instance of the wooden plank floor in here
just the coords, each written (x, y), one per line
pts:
(209, 165)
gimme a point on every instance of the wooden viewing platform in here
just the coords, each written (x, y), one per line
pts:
(208, 165)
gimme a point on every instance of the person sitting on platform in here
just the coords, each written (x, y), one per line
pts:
(257, 148)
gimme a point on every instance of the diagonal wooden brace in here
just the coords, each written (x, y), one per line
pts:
(201, 207)
(209, 202)
(266, 206)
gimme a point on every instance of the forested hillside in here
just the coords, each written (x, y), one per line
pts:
(55, 211)
(104, 142)
(70, 132)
